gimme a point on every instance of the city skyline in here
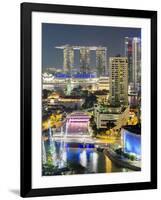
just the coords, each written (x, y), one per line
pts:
(91, 111)
(80, 35)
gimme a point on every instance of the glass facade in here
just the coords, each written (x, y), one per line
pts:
(132, 142)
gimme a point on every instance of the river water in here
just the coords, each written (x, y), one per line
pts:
(89, 158)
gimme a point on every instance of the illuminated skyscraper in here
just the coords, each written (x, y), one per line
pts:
(118, 68)
(68, 58)
(128, 54)
(133, 53)
(136, 61)
(101, 61)
(85, 60)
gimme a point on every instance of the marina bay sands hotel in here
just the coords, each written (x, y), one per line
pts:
(84, 52)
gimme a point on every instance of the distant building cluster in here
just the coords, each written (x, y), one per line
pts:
(124, 76)
(101, 58)
(132, 47)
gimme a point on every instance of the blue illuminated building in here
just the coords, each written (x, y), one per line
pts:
(84, 75)
(78, 75)
(62, 75)
(131, 137)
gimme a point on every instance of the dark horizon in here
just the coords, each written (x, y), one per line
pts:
(60, 34)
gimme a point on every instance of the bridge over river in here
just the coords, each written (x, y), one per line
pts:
(73, 144)
(76, 129)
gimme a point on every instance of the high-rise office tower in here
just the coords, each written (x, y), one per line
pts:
(101, 64)
(136, 61)
(68, 58)
(133, 53)
(85, 60)
(118, 69)
(128, 54)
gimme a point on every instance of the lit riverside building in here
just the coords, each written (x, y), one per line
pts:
(118, 68)
(133, 53)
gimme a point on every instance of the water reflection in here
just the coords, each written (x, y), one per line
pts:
(83, 158)
(89, 160)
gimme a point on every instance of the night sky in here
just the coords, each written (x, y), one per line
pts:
(60, 34)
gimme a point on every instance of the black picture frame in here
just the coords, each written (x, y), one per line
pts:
(26, 83)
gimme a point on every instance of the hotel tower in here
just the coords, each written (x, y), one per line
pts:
(118, 68)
